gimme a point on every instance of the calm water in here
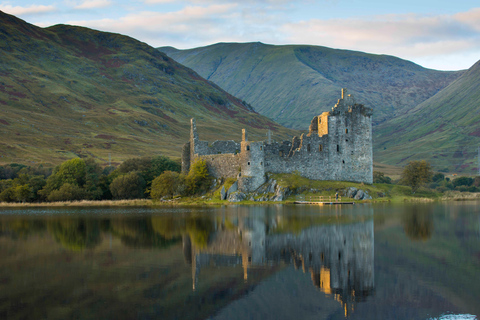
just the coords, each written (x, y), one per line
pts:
(418, 261)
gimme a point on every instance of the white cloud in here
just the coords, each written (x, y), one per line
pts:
(409, 36)
(94, 4)
(32, 9)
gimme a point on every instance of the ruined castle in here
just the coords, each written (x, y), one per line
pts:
(338, 146)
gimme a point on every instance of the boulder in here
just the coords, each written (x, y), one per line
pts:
(359, 195)
(223, 193)
(236, 196)
(281, 193)
(233, 188)
(351, 192)
(272, 186)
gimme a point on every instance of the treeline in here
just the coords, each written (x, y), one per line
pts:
(79, 179)
(420, 174)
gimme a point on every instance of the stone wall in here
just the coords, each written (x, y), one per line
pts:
(338, 146)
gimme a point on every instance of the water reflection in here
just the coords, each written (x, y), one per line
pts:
(339, 257)
(418, 223)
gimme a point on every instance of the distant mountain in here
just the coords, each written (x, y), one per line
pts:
(291, 84)
(444, 129)
(68, 91)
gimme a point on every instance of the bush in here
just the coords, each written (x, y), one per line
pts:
(128, 186)
(67, 192)
(379, 177)
(198, 179)
(462, 181)
(168, 183)
(438, 177)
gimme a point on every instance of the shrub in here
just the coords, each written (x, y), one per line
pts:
(198, 179)
(379, 177)
(128, 186)
(462, 181)
(168, 183)
(438, 177)
(67, 192)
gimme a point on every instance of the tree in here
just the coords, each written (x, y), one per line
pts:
(462, 181)
(169, 183)
(416, 173)
(379, 177)
(67, 192)
(198, 179)
(128, 186)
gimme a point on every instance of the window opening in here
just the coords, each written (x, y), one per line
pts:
(308, 147)
(248, 148)
(248, 162)
(346, 130)
(338, 148)
(320, 148)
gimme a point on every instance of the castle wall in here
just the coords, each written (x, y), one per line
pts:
(222, 165)
(337, 147)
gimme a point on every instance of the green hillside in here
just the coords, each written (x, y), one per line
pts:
(445, 129)
(68, 91)
(291, 84)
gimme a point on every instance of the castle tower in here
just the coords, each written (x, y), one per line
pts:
(252, 164)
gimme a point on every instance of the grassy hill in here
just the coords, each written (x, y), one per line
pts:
(444, 129)
(291, 84)
(68, 91)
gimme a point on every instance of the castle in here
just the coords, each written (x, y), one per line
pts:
(338, 147)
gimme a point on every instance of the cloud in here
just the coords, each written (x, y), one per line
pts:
(93, 4)
(32, 9)
(401, 35)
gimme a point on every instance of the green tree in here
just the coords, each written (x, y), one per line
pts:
(462, 181)
(416, 173)
(169, 183)
(23, 193)
(198, 180)
(67, 192)
(128, 186)
(379, 177)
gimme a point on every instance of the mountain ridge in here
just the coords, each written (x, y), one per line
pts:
(292, 83)
(68, 91)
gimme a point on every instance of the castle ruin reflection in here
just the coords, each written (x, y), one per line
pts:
(339, 257)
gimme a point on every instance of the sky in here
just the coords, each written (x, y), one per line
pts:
(437, 34)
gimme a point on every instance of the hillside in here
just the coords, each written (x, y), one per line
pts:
(444, 129)
(68, 91)
(291, 84)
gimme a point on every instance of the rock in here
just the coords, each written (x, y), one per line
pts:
(359, 195)
(367, 197)
(236, 196)
(223, 194)
(281, 193)
(251, 198)
(271, 188)
(351, 192)
(233, 188)
(381, 194)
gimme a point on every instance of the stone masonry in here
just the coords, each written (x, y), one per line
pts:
(338, 147)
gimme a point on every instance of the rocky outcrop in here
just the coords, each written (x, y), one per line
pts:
(223, 193)
(357, 194)
(236, 196)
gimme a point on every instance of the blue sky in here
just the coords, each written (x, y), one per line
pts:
(436, 34)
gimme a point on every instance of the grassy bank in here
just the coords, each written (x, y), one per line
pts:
(300, 186)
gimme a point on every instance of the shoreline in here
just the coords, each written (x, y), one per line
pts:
(197, 202)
